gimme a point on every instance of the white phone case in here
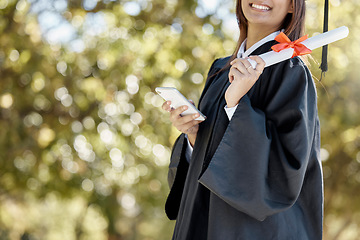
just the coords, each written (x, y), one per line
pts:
(177, 100)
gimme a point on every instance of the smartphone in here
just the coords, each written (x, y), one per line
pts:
(177, 100)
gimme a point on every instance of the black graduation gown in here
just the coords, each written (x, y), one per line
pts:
(258, 176)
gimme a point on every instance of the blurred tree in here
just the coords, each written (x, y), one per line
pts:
(84, 146)
(340, 123)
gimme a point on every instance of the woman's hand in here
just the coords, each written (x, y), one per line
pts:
(242, 77)
(185, 124)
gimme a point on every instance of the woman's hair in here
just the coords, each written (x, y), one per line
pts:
(293, 24)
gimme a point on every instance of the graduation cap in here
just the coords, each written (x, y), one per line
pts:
(324, 65)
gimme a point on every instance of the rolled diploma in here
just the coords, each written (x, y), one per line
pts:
(312, 43)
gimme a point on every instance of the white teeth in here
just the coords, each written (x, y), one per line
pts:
(261, 7)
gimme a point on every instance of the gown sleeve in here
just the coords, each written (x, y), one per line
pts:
(260, 164)
(179, 165)
(178, 168)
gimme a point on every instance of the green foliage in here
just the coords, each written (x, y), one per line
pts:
(84, 145)
(339, 110)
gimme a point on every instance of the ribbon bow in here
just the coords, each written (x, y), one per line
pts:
(285, 43)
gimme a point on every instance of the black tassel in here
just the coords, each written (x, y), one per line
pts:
(324, 64)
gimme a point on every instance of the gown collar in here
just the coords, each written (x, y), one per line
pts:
(243, 54)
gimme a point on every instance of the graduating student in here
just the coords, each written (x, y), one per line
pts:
(251, 170)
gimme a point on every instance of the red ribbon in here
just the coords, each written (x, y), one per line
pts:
(285, 43)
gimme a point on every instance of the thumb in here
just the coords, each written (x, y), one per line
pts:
(192, 102)
(260, 63)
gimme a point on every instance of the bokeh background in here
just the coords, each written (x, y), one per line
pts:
(84, 145)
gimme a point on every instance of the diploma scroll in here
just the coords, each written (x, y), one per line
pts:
(317, 41)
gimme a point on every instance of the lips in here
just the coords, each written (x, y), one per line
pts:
(260, 6)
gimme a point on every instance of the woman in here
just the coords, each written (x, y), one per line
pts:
(251, 170)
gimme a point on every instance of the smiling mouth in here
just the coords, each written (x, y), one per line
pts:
(260, 7)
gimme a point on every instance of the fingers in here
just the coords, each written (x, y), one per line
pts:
(260, 64)
(243, 68)
(177, 119)
(239, 69)
(243, 65)
(166, 106)
(189, 127)
(239, 65)
(185, 124)
(234, 73)
(176, 113)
